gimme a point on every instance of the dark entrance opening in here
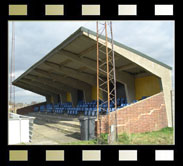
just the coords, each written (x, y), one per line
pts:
(80, 95)
(120, 90)
(58, 99)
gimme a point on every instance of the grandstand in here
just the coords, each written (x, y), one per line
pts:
(82, 108)
(66, 76)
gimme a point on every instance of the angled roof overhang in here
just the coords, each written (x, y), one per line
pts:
(72, 65)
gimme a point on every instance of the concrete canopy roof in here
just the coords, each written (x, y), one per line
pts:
(72, 65)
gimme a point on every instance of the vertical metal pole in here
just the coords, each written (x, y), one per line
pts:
(108, 86)
(13, 65)
(98, 134)
(12, 71)
(114, 71)
(105, 67)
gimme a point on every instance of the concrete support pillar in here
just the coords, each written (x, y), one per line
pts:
(60, 98)
(88, 95)
(74, 96)
(167, 87)
(130, 92)
(48, 99)
(129, 83)
(55, 99)
(63, 97)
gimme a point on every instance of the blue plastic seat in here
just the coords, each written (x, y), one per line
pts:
(94, 113)
(122, 105)
(99, 110)
(36, 109)
(89, 113)
(42, 108)
(90, 109)
(144, 97)
(111, 105)
(134, 101)
(71, 111)
(75, 112)
(108, 110)
(86, 113)
(113, 109)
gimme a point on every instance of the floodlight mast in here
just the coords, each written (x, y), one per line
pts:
(106, 79)
(114, 70)
(98, 127)
(108, 86)
(12, 70)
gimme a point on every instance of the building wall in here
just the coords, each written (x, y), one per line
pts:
(68, 95)
(52, 99)
(144, 116)
(146, 86)
(94, 93)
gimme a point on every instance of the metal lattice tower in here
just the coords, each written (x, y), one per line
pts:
(12, 69)
(106, 77)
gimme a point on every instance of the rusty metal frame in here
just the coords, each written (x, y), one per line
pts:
(105, 67)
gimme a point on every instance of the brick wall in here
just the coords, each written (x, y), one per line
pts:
(26, 110)
(144, 116)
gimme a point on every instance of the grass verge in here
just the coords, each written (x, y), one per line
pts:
(161, 137)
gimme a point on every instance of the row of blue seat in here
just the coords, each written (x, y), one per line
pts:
(75, 111)
(89, 108)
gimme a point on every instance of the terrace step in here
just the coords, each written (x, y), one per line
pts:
(64, 124)
(53, 116)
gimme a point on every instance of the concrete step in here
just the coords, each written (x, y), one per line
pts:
(72, 124)
(59, 127)
(69, 124)
(65, 124)
(53, 116)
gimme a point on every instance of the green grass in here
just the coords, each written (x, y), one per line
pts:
(90, 142)
(161, 137)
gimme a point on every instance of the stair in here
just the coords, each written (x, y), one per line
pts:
(64, 124)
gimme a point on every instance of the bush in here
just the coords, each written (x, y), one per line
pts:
(103, 139)
(124, 138)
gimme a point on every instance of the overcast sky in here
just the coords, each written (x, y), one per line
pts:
(34, 39)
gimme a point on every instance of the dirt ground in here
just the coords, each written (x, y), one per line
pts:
(54, 129)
